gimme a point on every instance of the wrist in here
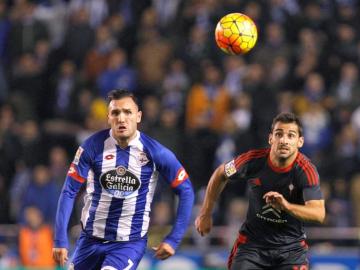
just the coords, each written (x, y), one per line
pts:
(205, 213)
(287, 207)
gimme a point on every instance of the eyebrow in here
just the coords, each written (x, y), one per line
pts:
(281, 130)
(121, 109)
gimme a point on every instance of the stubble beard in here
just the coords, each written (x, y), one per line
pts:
(283, 159)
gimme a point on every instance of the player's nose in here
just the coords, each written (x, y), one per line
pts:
(121, 117)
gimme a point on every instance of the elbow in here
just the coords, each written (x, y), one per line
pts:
(186, 190)
(321, 217)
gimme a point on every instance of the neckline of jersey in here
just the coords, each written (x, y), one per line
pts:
(132, 142)
(278, 169)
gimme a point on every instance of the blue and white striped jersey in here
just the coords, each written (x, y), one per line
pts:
(120, 185)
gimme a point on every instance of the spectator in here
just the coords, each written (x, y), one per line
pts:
(208, 102)
(79, 37)
(41, 193)
(98, 56)
(35, 240)
(66, 86)
(118, 74)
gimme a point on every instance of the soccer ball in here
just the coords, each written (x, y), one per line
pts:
(236, 33)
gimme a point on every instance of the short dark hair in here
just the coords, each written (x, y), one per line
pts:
(287, 117)
(122, 93)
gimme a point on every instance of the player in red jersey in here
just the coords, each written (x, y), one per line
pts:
(284, 192)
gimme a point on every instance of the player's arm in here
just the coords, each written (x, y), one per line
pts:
(312, 211)
(65, 206)
(177, 177)
(217, 183)
(182, 187)
(72, 185)
(183, 214)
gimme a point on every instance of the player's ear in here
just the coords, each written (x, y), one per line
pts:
(301, 142)
(108, 118)
(270, 138)
(138, 117)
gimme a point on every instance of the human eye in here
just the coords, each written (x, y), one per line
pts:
(114, 112)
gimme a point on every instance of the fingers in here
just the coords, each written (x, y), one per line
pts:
(272, 194)
(60, 255)
(272, 197)
(63, 259)
(203, 225)
(197, 226)
(162, 254)
(163, 251)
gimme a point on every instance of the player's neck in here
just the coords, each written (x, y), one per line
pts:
(124, 142)
(282, 162)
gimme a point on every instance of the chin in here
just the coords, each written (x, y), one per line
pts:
(283, 156)
(121, 136)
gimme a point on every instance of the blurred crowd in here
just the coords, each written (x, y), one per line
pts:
(59, 58)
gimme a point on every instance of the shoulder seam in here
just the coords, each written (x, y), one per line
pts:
(252, 154)
(308, 169)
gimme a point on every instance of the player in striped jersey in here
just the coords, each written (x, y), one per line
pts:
(284, 192)
(120, 167)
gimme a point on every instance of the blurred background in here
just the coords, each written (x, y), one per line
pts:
(59, 58)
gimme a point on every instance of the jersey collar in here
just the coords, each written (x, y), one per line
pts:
(281, 170)
(133, 142)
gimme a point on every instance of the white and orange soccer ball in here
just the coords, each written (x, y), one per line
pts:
(236, 33)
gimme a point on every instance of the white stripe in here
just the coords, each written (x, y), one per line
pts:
(102, 211)
(129, 204)
(88, 197)
(130, 265)
(149, 198)
(108, 267)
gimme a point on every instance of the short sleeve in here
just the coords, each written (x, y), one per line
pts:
(310, 180)
(238, 167)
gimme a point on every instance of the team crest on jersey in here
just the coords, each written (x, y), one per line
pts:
(291, 188)
(79, 151)
(230, 168)
(120, 182)
(142, 159)
(121, 170)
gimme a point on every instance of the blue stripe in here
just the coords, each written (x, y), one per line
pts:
(137, 220)
(112, 221)
(95, 198)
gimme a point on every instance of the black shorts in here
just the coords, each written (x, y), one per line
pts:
(244, 256)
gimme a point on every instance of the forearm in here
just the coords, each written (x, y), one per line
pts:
(63, 213)
(215, 186)
(183, 214)
(312, 211)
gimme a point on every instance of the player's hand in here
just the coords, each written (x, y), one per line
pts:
(163, 251)
(60, 255)
(203, 224)
(276, 200)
